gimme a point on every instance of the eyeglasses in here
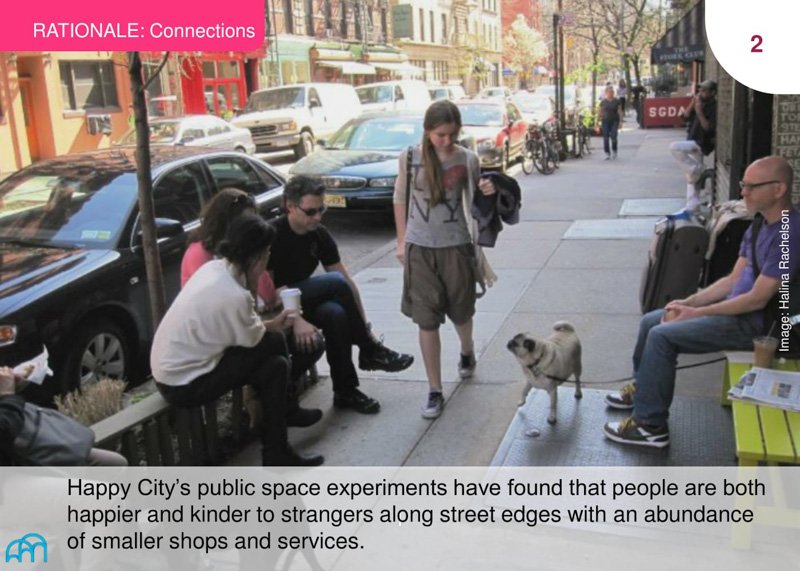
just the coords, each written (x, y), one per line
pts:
(312, 211)
(750, 186)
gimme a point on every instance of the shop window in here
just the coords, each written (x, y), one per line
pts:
(88, 84)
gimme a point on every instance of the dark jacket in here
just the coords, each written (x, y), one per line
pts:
(491, 211)
(11, 421)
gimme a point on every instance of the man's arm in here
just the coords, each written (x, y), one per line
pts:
(705, 123)
(756, 299)
(340, 267)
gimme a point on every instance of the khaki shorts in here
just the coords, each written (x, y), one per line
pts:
(439, 282)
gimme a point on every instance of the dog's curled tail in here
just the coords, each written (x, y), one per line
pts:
(563, 326)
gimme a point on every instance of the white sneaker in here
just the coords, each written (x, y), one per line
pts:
(433, 409)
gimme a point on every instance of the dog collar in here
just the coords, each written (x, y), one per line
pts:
(536, 371)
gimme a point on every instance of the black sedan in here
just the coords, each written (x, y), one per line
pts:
(358, 165)
(72, 274)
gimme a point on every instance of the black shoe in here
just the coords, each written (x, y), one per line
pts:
(381, 358)
(303, 417)
(357, 401)
(288, 457)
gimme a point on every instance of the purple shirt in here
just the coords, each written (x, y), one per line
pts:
(777, 254)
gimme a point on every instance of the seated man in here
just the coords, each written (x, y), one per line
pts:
(330, 301)
(725, 315)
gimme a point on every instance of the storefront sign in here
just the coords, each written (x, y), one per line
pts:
(664, 111)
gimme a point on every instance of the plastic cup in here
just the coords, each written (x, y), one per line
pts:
(764, 351)
(291, 300)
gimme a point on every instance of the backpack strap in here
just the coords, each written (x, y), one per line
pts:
(409, 160)
(758, 220)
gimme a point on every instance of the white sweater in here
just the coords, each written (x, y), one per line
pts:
(212, 312)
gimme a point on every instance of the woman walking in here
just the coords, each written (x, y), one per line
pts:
(435, 244)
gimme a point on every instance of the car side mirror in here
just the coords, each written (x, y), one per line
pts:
(165, 228)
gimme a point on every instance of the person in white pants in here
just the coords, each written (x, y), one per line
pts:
(702, 117)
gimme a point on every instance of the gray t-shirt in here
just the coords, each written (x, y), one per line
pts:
(443, 225)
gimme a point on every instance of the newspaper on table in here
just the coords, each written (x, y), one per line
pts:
(769, 387)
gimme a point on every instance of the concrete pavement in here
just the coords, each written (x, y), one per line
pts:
(577, 254)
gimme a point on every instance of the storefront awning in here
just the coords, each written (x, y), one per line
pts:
(402, 68)
(349, 67)
(334, 55)
(386, 57)
(685, 41)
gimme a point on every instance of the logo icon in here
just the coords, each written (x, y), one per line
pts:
(27, 544)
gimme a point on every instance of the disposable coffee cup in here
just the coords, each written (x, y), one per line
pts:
(764, 351)
(291, 300)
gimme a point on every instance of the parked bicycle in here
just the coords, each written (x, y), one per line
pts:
(538, 152)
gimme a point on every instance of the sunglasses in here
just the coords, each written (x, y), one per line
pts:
(312, 211)
(751, 186)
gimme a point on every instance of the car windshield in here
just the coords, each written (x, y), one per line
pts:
(481, 115)
(375, 94)
(533, 104)
(438, 93)
(66, 205)
(288, 97)
(380, 134)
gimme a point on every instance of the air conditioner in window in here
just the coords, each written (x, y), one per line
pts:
(98, 124)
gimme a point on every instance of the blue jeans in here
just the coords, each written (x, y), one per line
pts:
(328, 303)
(609, 131)
(657, 350)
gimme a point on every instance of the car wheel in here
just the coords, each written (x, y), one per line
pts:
(305, 146)
(99, 349)
(240, 149)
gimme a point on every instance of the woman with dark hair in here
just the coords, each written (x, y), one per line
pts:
(212, 339)
(204, 242)
(435, 242)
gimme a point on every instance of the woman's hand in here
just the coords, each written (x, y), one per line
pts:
(306, 336)
(281, 321)
(486, 186)
(400, 252)
(6, 381)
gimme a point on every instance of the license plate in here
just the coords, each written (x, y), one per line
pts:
(335, 201)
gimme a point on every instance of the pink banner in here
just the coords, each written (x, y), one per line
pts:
(151, 25)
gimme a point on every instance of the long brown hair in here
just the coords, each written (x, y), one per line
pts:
(443, 112)
(218, 213)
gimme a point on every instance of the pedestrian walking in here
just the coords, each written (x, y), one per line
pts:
(435, 242)
(610, 118)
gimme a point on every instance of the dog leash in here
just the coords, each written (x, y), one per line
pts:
(535, 370)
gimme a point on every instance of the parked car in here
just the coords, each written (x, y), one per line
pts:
(196, 131)
(451, 92)
(495, 92)
(358, 165)
(72, 276)
(498, 128)
(534, 108)
(394, 95)
(295, 116)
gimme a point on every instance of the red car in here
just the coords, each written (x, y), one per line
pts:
(498, 129)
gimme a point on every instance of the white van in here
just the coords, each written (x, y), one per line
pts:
(409, 94)
(295, 116)
(451, 92)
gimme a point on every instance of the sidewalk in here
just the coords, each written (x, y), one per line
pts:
(577, 254)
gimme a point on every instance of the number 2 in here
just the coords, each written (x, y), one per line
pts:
(756, 49)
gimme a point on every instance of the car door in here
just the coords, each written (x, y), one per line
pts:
(518, 128)
(318, 112)
(178, 194)
(218, 133)
(251, 176)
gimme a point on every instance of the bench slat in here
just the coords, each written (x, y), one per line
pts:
(776, 435)
(746, 428)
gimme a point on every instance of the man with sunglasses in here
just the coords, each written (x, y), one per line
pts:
(700, 139)
(726, 315)
(330, 301)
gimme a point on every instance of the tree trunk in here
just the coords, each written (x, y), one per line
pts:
(152, 260)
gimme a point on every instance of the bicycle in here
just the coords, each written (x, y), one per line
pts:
(539, 153)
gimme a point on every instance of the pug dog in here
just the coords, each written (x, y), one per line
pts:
(549, 362)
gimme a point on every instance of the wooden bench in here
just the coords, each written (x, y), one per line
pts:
(763, 435)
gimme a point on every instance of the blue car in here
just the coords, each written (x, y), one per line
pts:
(358, 165)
